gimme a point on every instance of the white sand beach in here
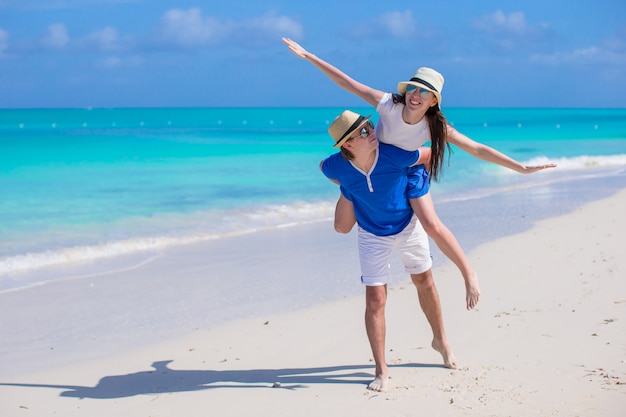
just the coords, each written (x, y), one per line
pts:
(547, 339)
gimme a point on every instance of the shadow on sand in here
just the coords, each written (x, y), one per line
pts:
(163, 379)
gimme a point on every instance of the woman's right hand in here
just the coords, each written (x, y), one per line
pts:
(295, 47)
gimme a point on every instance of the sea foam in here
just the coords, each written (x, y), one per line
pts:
(186, 231)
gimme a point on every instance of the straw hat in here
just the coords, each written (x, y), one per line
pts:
(426, 78)
(344, 125)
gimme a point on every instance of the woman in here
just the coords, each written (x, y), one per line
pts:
(408, 120)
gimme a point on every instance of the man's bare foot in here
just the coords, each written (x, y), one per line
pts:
(379, 384)
(449, 360)
(472, 291)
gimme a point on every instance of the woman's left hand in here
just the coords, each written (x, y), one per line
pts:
(529, 169)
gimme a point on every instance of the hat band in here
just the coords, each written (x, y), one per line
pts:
(351, 128)
(426, 83)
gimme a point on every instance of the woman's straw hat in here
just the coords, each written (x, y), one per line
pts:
(426, 78)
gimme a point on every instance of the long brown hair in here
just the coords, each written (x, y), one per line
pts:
(437, 123)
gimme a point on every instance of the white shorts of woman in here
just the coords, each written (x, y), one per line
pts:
(412, 247)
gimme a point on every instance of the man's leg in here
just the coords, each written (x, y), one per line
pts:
(429, 301)
(375, 299)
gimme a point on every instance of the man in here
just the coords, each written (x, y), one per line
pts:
(373, 178)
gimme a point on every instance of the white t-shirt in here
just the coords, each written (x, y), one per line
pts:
(392, 129)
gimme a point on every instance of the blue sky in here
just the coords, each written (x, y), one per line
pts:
(147, 53)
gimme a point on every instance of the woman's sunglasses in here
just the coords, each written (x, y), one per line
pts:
(424, 93)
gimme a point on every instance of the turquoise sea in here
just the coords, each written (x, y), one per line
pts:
(78, 185)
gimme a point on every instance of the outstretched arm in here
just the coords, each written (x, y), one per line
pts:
(424, 159)
(370, 95)
(489, 154)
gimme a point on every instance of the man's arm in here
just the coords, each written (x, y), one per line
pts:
(330, 179)
(345, 219)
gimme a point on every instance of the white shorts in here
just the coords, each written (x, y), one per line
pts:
(375, 253)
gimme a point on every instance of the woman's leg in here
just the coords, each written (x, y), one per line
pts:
(444, 239)
(429, 302)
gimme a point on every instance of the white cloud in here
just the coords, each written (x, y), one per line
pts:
(190, 28)
(499, 23)
(56, 37)
(110, 62)
(591, 54)
(273, 24)
(398, 24)
(510, 31)
(38, 5)
(106, 39)
(609, 53)
(186, 28)
(392, 24)
(114, 62)
(4, 40)
(617, 42)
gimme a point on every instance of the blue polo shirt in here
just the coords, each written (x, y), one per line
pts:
(379, 197)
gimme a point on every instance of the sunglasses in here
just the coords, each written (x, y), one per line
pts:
(365, 131)
(424, 93)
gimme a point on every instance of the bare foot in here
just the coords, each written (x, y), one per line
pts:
(379, 384)
(449, 360)
(472, 291)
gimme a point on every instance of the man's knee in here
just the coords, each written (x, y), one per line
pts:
(376, 297)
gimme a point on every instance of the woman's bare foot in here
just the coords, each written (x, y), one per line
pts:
(472, 291)
(449, 360)
(379, 384)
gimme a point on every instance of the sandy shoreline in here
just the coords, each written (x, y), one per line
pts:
(547, 339)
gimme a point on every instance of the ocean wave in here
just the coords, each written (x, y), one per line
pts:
(581, 162)
(183, 229)
(34, 260)
(162, 231)
(568, 169)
